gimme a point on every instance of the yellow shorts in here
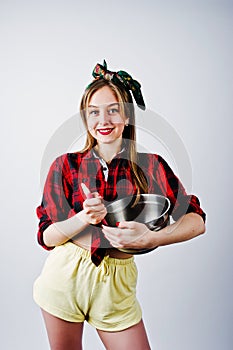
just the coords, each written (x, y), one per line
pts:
(72, 288)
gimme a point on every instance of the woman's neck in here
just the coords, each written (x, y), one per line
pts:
(108, 151)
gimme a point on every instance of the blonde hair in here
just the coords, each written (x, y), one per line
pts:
(129, 134)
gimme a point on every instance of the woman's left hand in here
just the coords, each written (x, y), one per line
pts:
(128, 234)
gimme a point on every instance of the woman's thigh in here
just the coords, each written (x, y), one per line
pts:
(134, 337)
(63, 335)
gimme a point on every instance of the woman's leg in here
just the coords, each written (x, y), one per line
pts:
(131, 338)
(63, 335)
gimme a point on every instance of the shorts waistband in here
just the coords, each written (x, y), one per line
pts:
(87, 255)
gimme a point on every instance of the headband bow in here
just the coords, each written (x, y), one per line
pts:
(122, 77)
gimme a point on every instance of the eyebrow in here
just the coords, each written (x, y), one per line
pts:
(110, 105)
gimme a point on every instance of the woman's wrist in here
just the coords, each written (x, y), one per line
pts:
(153, 239)
(82, 217)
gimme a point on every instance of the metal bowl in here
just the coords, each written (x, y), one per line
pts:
(150, 209)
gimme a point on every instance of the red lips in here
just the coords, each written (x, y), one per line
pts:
(106, 131)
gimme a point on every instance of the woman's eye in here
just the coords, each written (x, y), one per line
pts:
(94, 113)
(113, 111)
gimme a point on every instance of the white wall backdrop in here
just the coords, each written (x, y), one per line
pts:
(181, 52)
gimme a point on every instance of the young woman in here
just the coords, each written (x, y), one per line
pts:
(86, 276)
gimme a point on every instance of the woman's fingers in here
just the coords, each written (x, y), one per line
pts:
(126, 224)
(127, 234)
(94, 209)
(92, 201)
(116, 236)
(93, 204)
(96, 195)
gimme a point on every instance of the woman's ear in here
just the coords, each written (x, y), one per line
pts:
(127, 122)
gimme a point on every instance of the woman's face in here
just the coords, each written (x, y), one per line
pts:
(104, 120)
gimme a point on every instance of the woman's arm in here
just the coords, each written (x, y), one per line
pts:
(58, 220)
(59, 232)
(134, 235)
(187, 227)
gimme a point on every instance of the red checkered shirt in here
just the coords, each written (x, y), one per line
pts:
(63, 196)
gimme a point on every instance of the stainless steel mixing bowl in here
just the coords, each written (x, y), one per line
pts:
(150, 209)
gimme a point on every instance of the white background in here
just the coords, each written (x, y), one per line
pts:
(181, 52)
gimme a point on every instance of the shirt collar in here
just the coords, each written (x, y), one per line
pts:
(93, 154)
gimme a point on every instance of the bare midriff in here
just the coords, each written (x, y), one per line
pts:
(84, 241)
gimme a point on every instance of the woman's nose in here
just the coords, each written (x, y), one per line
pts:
(104, 117)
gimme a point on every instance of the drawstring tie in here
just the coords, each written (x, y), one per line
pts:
(103, 269)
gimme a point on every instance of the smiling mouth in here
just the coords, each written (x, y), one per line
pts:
(105, 131)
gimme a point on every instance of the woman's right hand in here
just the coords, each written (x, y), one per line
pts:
(60, 232)
(93, 210)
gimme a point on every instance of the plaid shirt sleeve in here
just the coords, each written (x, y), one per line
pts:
(171, 187)
(55, 205)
